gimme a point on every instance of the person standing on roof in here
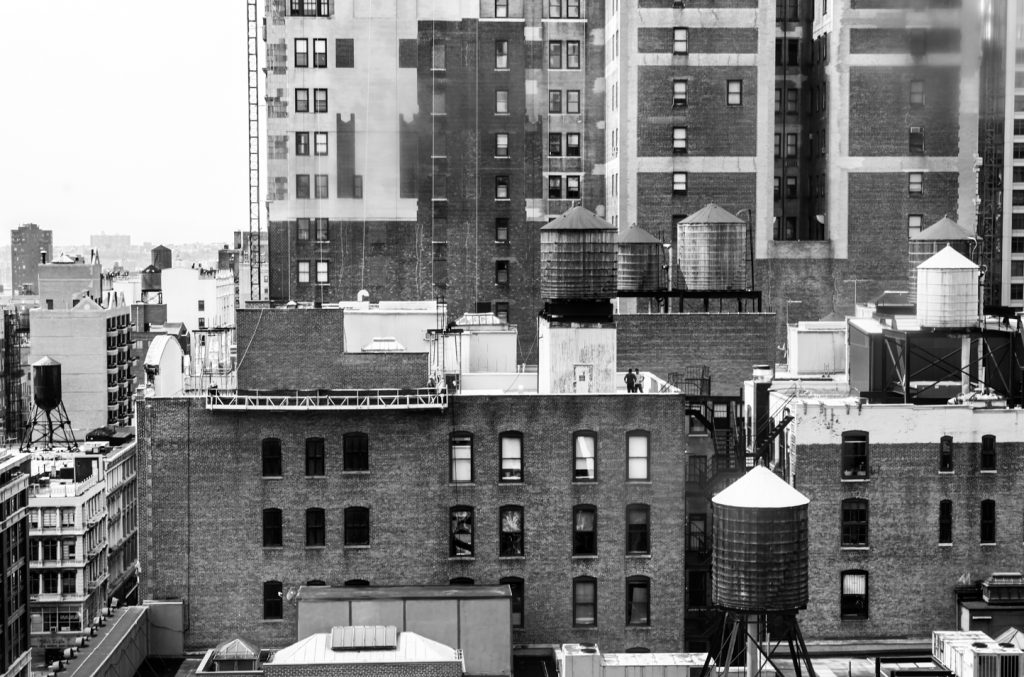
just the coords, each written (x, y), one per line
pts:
(639, 388)
(630, 380)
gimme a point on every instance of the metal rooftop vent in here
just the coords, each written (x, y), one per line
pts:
(384, 344)
(363, 637)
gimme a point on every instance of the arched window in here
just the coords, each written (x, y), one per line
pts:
(853, 596)
(584, 530)
(855, 455)
(988, 452)
(316, 582)
(273, 604)
(272, 533)
(510, 523)
(638, 600)
(355, 455)
(584, 601)
(460, 534)
(357, 526)
(271, 457)
(515, 584)
(638, 529)
(316, 528)
(854, 522)
(946, 454)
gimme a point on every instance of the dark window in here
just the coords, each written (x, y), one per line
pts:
(515, 584)
(355, 456)
(584, 444)
(460, 535)
(501, 310)
(555, 54)
(273, 605)
(511, 522)
(855, 522)
(271, 457)
(500, 187)
(460, 580)
(319, 100)
(501, 229)
(572, 54)
(461, 457)
(302, 100)
(584, 530)
(302, 230)
(316, 582)
(315, 457)
(638, 600)
(915, 142)
(302, 143)
(946, 454)
(946, 521)
(696, 533)
(272, 534)
(555, 101)
(697, 589)
(855, 454)
(853, 596)
(988, 521)
(357, 526)
(344, 53)
(501, 54)
(316, 531)
(790, 187)
(302, 186)
(554, 144)
(988, 452)
(356, 583)
(501, 272)
(638, 529)
(555, 187)
(572, 185)
(511, 449)
(584, 601)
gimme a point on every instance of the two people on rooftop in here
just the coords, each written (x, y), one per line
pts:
(634, 381)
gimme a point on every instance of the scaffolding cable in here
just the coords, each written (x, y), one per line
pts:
(255, 231)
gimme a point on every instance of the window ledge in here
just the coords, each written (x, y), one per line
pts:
(854, 548)
(584, 557)
(502, 115)
(855, 479)
(355, 472)
(855, 619)
(462, 484)
(273, 477)
(511, 557)
(461, 559)
(628, 481)
(316, 477)
(502, 199)
(357, 547)
(988, 472)
(945, 545)
(501, 157)
(638, 555)
(988, 545)
(946, 472)
(510, 483)
(316, 547)
(274, 547)
(502, 70)
(272, 620)
(501, 242)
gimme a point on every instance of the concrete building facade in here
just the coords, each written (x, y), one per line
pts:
(68, 278)
(30, 246)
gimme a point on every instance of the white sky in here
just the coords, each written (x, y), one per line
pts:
(124, 116)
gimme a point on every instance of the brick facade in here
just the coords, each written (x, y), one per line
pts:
(452, 669)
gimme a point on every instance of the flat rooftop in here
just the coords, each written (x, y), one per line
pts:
(323, 592)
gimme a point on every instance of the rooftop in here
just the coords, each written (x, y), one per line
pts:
(322, 648)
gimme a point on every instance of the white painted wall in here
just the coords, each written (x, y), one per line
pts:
(183, 288)
(562, 349)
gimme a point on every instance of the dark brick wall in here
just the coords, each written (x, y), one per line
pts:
(303, 349)
(729, 343)
(910, 577)
(202, 495)
(899, 40)
(817, 283)
(730, 191)
(453, 669)
(699, 40)
(884, 130)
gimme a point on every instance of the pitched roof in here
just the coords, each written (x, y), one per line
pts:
(237, 650)
(712, 213)
(760, 488)
(948, 258)
(579, 218)
(637, 235)
(944, 229)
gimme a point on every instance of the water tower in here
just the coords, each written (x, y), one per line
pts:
(948, 291)
(934, 239)
(759, 571)
(639, 261)
(50, 424)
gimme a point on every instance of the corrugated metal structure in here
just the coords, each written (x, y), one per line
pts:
(577, 257)
(639, 261)
(713, 250)
(947, 291)
(932, 240)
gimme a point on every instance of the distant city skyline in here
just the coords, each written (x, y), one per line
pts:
(132, 120)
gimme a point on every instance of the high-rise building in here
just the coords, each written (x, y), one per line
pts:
(14, 569)
(30, 246)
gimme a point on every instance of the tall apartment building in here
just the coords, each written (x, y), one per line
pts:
(14, 564)
(30, 245)
(1001, 175)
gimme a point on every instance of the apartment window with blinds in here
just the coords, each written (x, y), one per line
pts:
(555, 54)
(637, 451)
(853, 599)
(584, 456)
(584, 601)
(501, 54)
(511, 449)
(679, 146)
(320, 53)
(680, 40)
(461, 457)
(301, 52)
(638, 600)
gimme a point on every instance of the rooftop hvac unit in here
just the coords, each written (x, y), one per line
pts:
(975, 654)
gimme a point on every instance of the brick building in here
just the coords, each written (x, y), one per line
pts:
(15, 655)
(30, 246)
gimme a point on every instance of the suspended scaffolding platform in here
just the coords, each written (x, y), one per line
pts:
(321, 400)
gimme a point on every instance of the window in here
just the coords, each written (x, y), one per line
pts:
(555, 54)
(302, 229)
(853, 598)
(322, 272)
(315, 528)
(585, 456)
(572, 9)
(315, 457)
(572, 144)
(357, 526)
(855, 454)
(501, 102)
(638, 529)
(638, 600)
(555, 187)
(555, 9)
(776, 189)
(501, 145)
(501, 8)
(572, 187)
(988, 521)
(271, 448)
(355, 455)
(679, 88)
(345, 53)
(321, 229)
(460, 535)
(946, 454)
(319, 100)
(946, 521)
(273, 605)
(500, 187)
(572, 54)
(572, 101)
(302, 143)
(515, 584)
(679, 140)
(680, 40)
(301, 100)
(501, 54)
(321, 143)
(790, 145)
(461, 450)
(438, 107)
(302, 186)
(1017, 245)
(272, 528)
(915, 141)
(511, 450)
(511, 521)
(1016, 268)
(778, 145)
(501, 310)
(320, 53)
(555, 101)
(301, 52)
(679, 180)
(734, 92)
(584, 531)
(554, 144)
(320, 187)
(584, 601)
(696, 533)
(637, 454)
(437, 54)
(915, 183)
(914, 223)
(854, 522)
(501, 229)
(790, 187)
(792, 101)
(501, 272)
(988, 452)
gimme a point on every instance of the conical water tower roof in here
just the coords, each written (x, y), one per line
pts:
(760, 488)
(46, 361)
(579, 218)
(944, 229)
(712, 213)
(947, 259)
(637, 235)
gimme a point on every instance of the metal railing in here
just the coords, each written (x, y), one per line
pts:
(382, 398)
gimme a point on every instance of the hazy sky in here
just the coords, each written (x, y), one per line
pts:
(124, 116)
